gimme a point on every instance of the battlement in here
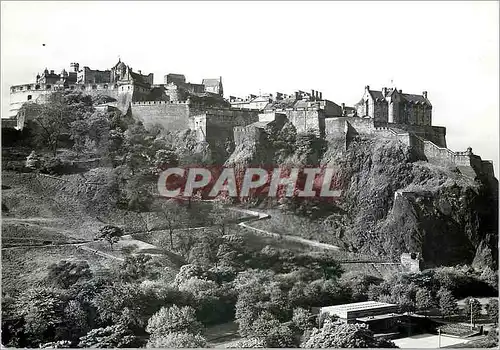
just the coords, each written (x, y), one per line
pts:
(57, 87)
(145, 103)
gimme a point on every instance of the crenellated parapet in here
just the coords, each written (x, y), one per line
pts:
(57, 87)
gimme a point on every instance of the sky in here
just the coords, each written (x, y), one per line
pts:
(449, 49)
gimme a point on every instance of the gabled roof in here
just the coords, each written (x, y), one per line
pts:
(415, 99)
(137, 77)
(119, 63)
(376, 95)
(409, 98)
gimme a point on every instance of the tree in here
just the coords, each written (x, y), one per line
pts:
(65, 273)
(188, 271)
(163, 159)
(177, 340)
(43, 312)
(472, 305)
(175, 216)
(138, 267)
(343, 335)
(492, 309)
(136, 148)
(424, 300)
(116, 336)
(247, 343)
(447, 303)
(326, 263)
(75, 323)
(201, 254)
(91, 133)
(53, 118)
(121, 303)
(110, 233)
(358, 283)
(219, 216)
(173, 319)
(272, 332)
(303, 319)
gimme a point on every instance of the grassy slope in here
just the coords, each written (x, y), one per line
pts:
(25, 267)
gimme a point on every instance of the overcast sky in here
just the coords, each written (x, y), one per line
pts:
(449, 49)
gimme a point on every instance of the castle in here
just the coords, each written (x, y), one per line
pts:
(178, 105)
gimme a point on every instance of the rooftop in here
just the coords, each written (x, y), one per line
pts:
(378, 317)
(364, 305)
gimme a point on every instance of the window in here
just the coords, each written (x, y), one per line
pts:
(29, 97)
(37, 86)
(48, 87)
(28, 87)
(105, 86)
(82, 87)
(94, 87)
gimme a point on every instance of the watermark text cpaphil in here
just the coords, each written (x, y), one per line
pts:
(305, 182)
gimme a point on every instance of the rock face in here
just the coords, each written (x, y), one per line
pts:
(398, 204)
(394, 203)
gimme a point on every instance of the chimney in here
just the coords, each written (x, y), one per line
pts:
(424, 94)
(140, 71)
(367, 87)
(321, 96)
(296, 95)
(51, 71)
(400, 91)
(384, 91)
(317, 96)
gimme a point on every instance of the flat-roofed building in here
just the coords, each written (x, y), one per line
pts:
(350, 313)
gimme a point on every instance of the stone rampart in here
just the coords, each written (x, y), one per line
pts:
(249, 135)
(170, 116)
(435, 134)
(305, 119)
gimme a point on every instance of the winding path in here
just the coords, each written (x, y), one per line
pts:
(261, 216)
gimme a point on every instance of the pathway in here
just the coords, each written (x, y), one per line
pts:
(261, 216)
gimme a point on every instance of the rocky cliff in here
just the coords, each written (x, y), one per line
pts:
(393, 202)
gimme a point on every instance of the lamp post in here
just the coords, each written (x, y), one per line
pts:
(471, 324)
(439, 337)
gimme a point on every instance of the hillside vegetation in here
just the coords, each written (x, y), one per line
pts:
(392, 202)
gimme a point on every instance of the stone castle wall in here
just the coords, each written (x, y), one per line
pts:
(428, 141)
(248, 135)
(220, 124)
(20, 94)
(435, 134)
(305, 119)
(170, 116)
